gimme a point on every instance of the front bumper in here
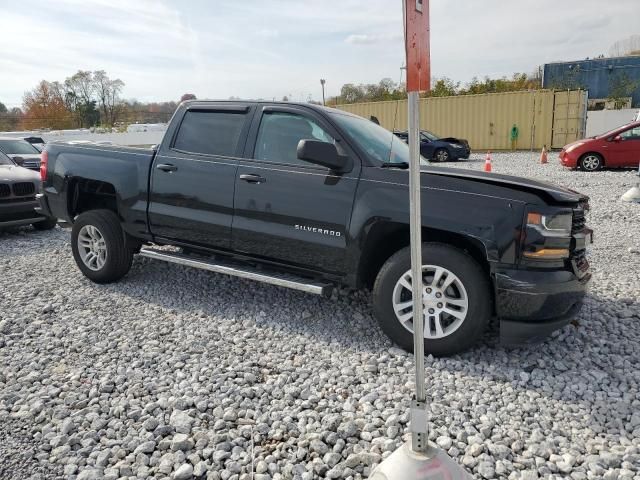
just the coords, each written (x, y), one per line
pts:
(19, 213)
(567, 159)
(532, 304)
(42, 205)
(460, 153)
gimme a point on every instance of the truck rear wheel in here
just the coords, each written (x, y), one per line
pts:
(456, 299)
(99, 247)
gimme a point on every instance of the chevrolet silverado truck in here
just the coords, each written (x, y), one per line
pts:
(310, 198)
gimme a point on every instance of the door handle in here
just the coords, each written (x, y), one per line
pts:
(166, 167)
(252, 178)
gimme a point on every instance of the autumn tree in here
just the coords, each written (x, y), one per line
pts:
(44, 107)
(187, 96)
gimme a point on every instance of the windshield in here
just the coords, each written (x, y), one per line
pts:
(378, 142)
(432, 137)
(4, 160)
(17, 147)
(611, 132)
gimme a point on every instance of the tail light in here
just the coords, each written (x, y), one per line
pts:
(44, 159)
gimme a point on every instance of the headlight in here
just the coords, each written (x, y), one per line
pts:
(556, 224)
(456, 145)
(571, 148)
(548, 235)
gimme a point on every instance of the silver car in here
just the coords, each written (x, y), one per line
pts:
(21, 152)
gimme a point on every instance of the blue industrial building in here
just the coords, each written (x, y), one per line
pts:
(600, 76)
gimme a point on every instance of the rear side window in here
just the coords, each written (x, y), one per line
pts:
(211, 133)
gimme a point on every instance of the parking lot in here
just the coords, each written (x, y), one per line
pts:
(176, 372)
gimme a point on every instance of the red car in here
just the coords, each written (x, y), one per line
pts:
(619, 148)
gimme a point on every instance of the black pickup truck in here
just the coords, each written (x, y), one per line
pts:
(308, 197)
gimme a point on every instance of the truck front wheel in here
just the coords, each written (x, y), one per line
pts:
(99, 247)
(456, 299)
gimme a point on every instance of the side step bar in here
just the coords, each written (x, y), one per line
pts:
(279, 279)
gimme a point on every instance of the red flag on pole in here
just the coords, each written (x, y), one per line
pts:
(416, 35)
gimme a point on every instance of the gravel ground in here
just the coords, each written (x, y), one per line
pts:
(178, 373)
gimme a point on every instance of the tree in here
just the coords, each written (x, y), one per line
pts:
(518, 82)
(444, 87)
(43, 107)
(621, 87)
(79, 91)
(108, 92)
(187, 96)
(626, 46)
(9, 119)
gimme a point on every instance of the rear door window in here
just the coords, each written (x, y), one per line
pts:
(210, 132)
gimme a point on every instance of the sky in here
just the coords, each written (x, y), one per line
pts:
(271, 48)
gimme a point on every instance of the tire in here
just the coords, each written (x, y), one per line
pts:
(441, 155)
(47, 224)
(115, 258)
(457, 335)
(591, 162)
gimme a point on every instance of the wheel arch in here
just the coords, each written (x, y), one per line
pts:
(386, 238)
(87, 194)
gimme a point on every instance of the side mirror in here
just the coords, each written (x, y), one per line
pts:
(617, 139)
(19, 161)
(322, 153)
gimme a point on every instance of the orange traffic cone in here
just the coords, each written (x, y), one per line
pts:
(544, 158)
(487, 162)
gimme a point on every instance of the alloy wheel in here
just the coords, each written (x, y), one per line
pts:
(442, 155)
(444, 297)
(92, 247)
(591, 162)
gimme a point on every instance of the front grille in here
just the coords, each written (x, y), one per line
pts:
(23, 189)
(5, 191)
(579, 220)
(578, 254)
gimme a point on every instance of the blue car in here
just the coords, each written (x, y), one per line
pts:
(439, 149)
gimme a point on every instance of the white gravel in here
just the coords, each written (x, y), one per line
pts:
(177, 373)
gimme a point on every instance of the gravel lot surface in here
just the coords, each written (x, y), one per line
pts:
(178, 373)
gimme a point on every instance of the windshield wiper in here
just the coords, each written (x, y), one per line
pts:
(400, 165)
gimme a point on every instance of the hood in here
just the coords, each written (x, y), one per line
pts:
(577, 143)
(452, 140)
(12, 173)
(557, 193)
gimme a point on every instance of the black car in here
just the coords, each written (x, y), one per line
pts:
(307, 197)
(18, 188)
(439, 149)
(21, 151)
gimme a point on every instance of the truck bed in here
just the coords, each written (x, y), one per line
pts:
(125, 169)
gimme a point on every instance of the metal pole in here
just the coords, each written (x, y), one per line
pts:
(322, 80)
(419, 434)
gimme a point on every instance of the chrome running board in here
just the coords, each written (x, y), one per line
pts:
(217, 266)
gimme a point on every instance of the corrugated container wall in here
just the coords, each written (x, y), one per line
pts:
(486, 121)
